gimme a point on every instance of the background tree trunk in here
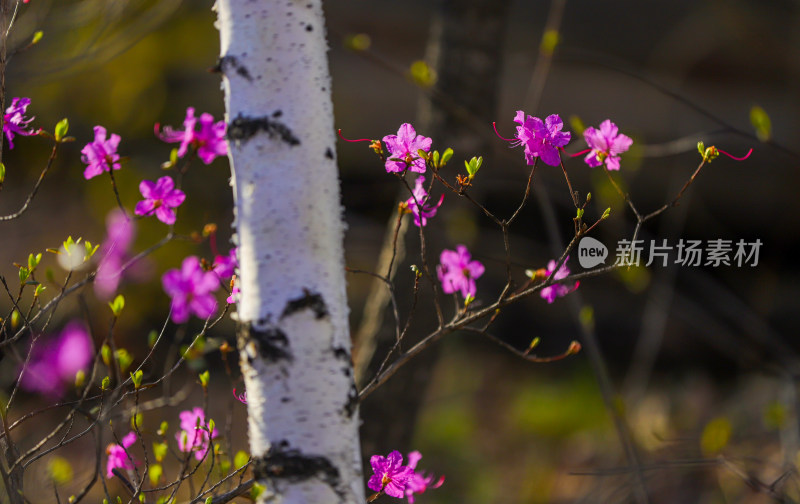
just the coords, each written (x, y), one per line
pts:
(293, 334)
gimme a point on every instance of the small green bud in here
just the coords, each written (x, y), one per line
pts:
(37, 36)
(162, 429)
(204, 376)
(701, 148)
(38, 291)
(468, 300)
(61, 129)
(152, 337)
(160, 451)
(2, 173)
(473, 166)
(136, 421)
(761, 122)
(209, 499)
(240, 459)
(80, 378)
(436, 158)
(155, 473)
(117, 305)
(136, 377)
(606, 213)
(15, 318)
(24, 273)
(211, 425)
(549, 42)
(105, 383)
(105, 353)
(124, 359)
(579, 213)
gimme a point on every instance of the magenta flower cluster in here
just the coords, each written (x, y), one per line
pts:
(419, 203)
(541, 139)
(120, 231)
(403, 150)
(457, 272)
(194, 435)
(551, 292)
(160, 198)
(118, 457)
(394, 479)
(209, 141)
(101, 154)
(606, 145)
(54, 363)
(191, 289)
(15, 122)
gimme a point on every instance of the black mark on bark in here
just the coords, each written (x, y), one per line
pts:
(329, 153)
(226, 62)
(352, 401)
(284, 462)
(272, 343)
(243, 128)
(309, 300)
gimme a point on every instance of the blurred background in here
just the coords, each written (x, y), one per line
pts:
(695, 369)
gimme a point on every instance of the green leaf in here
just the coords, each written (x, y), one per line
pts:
(160, 451)
(2, 173)
(606, 213)
(34, 260)
(209, 499)
(24, 273)
(15, 318)
(240, 459)
(155, 474)
(162, 429)
(761, 122)
(701, 148)
(436, 158)
(105, 383)
(37, 36)
(117, 305)
(136, 377)
(152, 337)
(80, 378)
(38, 291)
(211, 425)
(60, 470)
(90, 250)
(61, 129)
(446, 155)
(579, 213)
(422, 74)
(715, 437)
(473, 165)
(204, 376)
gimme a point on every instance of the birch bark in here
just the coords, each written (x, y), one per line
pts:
(293, 335)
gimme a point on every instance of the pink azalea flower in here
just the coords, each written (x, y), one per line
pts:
(193, 435)
(606, 144)
(209, 141)
(419, 204)
(391, 476)
(225, 266)
(54, 364)
(100, 155)
(118, 458)
(161, 198)
(120, 231)
(457, 272)
(15, 122)
(541, 139)
(551, 292)
(418, 482)
(242, 398)
(191, 290)
(234, 297)
(403, 149)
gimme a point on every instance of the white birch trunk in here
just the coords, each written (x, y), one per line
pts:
(293, 334)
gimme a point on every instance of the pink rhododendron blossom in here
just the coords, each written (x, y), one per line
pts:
(606, 144)
(419, 204)
(225, 266)
(118, 458)
(541, 138)
(242, 398)
(209, 141)
(551, 292)
(457, 272)
(101, 154)
(403, 149)
(234, 297)
(15, 122)
(391, 476)
(53, 364)
(193, 435)
(161, 198)
(418, 482)
(191, 289)
(114, 252)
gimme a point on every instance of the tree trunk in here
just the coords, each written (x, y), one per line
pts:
(293, 335)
